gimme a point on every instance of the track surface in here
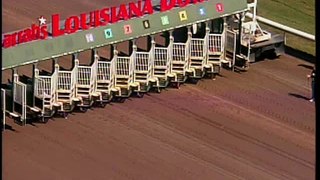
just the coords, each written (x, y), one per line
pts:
(253, 125)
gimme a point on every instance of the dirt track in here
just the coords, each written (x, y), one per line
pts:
(253, 125)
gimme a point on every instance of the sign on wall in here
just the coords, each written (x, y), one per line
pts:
(108, 33)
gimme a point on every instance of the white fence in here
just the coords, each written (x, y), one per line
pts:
(283, 27)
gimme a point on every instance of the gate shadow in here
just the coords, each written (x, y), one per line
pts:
(298, 96)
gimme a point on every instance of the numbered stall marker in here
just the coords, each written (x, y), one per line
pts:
(127, 29)
(89, 38)
(219, 7)
(165, 20)
(146, 24)
(202, 11)
(108, 33)
(183, 15)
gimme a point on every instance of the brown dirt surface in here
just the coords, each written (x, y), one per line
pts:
(250, 125)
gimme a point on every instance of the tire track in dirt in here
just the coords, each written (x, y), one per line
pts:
(257, 103)
(224, 152)
(224, 128)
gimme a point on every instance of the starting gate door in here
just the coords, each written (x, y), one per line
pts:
(3, 108)
(124, 74)
(143, 67)
(20, 99)
(197, 55)
(215, 48)
(106, 77)
(46, 89)
(162, 62)
(230, 48)
(180, 56)
(86, 80)
(67, 81)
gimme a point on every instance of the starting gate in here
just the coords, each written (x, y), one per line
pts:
(230, 48)
(66, 92)
(198, 52)
(162, 64)
(86, 87)
(3, 108)
(46, 89)
(180, 56)
(124, 75)
(106, 78)
(215, 52)
(143, 69)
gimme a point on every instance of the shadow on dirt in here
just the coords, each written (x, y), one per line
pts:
(298, 96)
(306, 66)
(8, 127)
(300, 54)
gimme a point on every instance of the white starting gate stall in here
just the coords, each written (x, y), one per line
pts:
(86, 86)
(230, 48)
(3, 108)
(162, 63)
(46, 90)
(124, 69)
(106, 78)
(179, 63)
(66, 91)
(198, 53)
(17, 95)
(215, 56)
(143, 70)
